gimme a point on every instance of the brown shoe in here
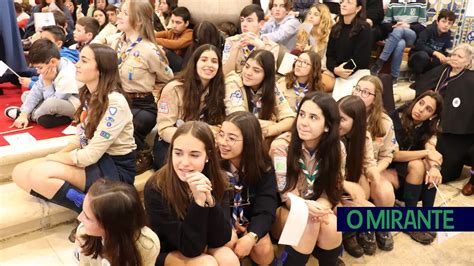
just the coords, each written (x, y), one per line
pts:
(352, 246)
(424, 238)
(468, 189)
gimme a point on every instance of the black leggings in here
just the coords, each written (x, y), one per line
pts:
(457, 150)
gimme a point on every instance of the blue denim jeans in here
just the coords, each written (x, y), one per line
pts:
(396, 43)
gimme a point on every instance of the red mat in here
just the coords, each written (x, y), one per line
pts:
(12, 96)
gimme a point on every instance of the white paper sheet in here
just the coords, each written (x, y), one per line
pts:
(296, 222)
(286, 64)
(43, 19)
(343, 87)
(22, 139)
(70, 130)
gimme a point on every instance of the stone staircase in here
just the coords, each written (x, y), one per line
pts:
(21, 213)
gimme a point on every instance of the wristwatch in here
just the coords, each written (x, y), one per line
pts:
(253, 236)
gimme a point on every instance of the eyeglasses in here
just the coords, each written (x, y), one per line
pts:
(228, 139)
(302, 63)
(363, 92)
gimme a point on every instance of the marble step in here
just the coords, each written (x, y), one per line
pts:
(21, 213)
(10, 156)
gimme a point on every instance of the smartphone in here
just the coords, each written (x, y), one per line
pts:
(350, 65)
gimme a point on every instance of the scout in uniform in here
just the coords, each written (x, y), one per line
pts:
(254, 90)
(201, 79)
(305, 77)
(141, 65)
(238, 48)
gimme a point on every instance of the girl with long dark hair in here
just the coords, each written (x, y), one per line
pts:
(104, 146)
(196, 94)
(314, 173)
(360, 166)
(252, 177)
(416, 163)
(350, 38)
(104, 234)
(254, 90)
(185, 201)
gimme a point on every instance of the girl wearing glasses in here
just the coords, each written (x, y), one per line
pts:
(254, 90)
(196, 94)
(314, 173)
(350, 38)
(314, 35)
(251, 175)
(142, 65)
(380, 127)
(305, 77)
(183, 201)
(417, 164)
(360, 167)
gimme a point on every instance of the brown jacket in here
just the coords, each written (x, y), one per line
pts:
(178, 44)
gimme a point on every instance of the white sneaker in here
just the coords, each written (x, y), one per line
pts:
(12, 112)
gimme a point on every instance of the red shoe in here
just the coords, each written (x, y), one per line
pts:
(468, 189)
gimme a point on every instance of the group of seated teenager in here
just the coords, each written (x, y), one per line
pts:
(224, 121)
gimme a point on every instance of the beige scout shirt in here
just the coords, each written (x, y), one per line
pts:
(290, 95)
(142, 67)
(170, 109)
(243, 53)
(303, 187)
(114, 134)
(369, 160)
(385, 146)
(148, 244)
(236, 98)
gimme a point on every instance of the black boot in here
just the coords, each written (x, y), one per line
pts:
(327, 257)
(349, 240)
(294, 258)
(69, 197)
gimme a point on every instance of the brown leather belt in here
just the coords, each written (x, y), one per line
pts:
(139, 95)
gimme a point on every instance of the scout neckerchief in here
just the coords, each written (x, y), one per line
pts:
(247, 50)
(237, 203)
(257, 102)
(83, 140)
(300, 92)
(310, 177)
(203, 112)
(122, 56)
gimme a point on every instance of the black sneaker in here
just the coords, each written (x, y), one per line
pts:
(394, 81)
(143, 162)
(384, 240)
(424, 238)
(367, 241)
(352, 246)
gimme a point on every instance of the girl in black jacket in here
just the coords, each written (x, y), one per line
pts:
(250, 172)
(183, 202)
